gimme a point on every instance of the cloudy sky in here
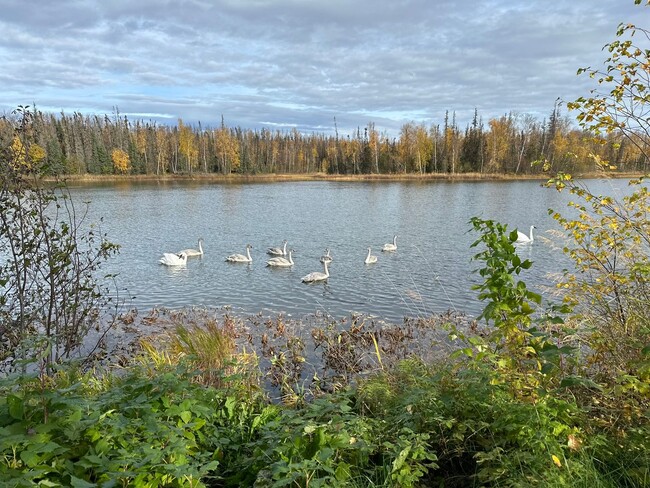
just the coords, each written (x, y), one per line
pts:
(303, 64)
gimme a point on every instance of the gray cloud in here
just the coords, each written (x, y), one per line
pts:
(301, 63)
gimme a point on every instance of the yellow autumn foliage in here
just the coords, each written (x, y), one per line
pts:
(121, 160)
(36, 153)
(24, 158)
(228, 150)
(187, 145)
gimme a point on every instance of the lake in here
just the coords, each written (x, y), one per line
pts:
(430, 273)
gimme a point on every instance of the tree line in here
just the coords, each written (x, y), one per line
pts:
(511, 144)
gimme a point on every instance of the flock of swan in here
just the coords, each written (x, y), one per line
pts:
(281, 258)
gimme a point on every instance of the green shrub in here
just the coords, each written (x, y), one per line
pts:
(139, 430)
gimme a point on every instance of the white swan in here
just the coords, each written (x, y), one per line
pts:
(326, 257)
(170, 259)
(369, 258)
(281, 262)
(317, 276)
(523, 238)
(194, 252)
(390, 247)
(277, 251)
(240, 258)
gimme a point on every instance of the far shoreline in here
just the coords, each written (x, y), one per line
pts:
(286, 177)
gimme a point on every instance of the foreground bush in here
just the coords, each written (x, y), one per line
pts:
(132, 430)
(51, 295)
(415, 425)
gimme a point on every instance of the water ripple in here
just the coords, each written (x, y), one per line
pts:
(430, 273)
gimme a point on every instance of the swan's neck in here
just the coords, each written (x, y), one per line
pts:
(531, 232)
(290, 260)
(368, 256)
(200, 247)
(284, 248)
(327, 273)
(395, 241)
(248, 253)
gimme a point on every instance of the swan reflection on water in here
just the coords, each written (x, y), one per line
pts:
(177, 271)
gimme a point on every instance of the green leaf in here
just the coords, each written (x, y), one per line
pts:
(79, 483)
(90, 461)
(548, 368)
(230, 406)
(49, 483)
(16, 407)
(211, 466)
(75, 416)
(30, 458)
(342, 472)
(102, 446)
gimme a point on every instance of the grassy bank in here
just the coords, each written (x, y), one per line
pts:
(261, 178)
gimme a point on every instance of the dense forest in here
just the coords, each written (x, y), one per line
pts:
(514, 144)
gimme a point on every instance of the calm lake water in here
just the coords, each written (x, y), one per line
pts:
(430, 273)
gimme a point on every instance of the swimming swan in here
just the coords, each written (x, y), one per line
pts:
(369, 258)
(240, 258)
(170, 259)
(326, 257)
(316, 276)
(193, 252)
(276, 251)
(390, 247)
(523, 238)
(281, 262)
